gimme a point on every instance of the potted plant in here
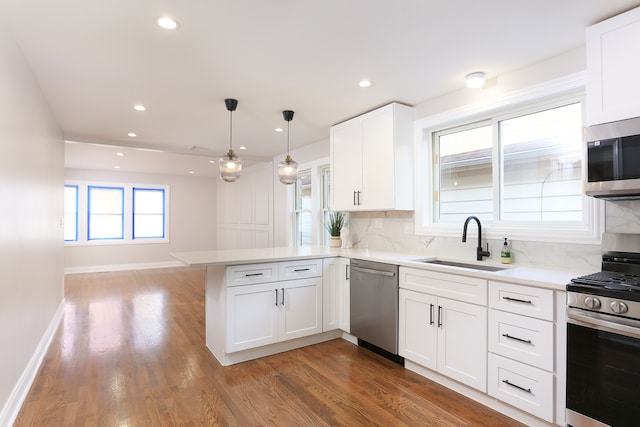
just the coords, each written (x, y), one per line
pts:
(335, 224)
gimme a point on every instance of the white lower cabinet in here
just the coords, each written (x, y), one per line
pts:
(522, 346)
(444, 335)
(335, 294)
(266, 313)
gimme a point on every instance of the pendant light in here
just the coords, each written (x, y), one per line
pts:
(230, 164)
(288, 168)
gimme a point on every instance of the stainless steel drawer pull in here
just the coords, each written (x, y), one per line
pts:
(298, 270)
(518, 300)
(516, 338)
(282, 296)
(253, 274)
(276, 297)
(507, 382)
(439, 316)
(431, 314)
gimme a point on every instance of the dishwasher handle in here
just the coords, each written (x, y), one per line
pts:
(372, 271)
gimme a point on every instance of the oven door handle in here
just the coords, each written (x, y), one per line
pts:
(631, 328)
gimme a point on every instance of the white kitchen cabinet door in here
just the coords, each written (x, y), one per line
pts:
(462, 342)
(300, 308)
(335, 281)
(252, 316)
(613, 81)
(372, 161)
(346, 164)
(418, 333)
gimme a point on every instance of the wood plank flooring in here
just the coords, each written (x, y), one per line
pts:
(131, 352)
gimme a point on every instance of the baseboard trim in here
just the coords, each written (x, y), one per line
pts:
(122, 267)
(13, 405)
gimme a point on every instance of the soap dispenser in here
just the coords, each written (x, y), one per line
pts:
(505, 253)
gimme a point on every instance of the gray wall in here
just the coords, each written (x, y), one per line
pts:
(31, 248)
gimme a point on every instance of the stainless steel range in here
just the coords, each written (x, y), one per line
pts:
(603, 339)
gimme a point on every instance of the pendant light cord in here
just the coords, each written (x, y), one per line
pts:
(231, 130)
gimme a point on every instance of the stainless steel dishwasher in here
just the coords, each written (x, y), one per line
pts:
(374, 307)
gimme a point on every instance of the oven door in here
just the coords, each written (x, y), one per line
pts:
(603, 370)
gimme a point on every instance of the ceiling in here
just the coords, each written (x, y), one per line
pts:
(95, 60)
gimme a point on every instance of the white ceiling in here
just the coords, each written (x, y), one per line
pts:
(96, 59)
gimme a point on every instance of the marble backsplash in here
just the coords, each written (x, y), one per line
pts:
(393, 231)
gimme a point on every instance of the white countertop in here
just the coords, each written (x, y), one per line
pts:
(539, 277)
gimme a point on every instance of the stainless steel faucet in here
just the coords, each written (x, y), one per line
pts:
(479, 252)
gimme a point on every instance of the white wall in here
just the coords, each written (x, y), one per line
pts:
(192, 223)
(31, 248)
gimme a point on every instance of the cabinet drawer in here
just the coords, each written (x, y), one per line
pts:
(525, 300)
(523, 386)
(249, 274)
(460, 288)
(525, 339)
(290, 270)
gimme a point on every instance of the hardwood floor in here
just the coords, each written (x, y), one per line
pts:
(131, 352)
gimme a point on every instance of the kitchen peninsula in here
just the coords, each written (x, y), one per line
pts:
(265, 301)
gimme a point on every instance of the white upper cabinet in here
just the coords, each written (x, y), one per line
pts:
(613, 80)
(372, 161)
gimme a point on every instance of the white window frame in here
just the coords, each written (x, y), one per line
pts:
(82, 222)
(546, 94)
(318, 231)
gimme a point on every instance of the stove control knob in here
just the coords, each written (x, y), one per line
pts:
(619, 307)
(592, 303)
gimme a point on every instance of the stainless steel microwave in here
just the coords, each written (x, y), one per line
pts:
(613, 160)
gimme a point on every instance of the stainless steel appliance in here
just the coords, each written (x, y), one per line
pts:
(613, 160)
(374, 306)
(603, 339)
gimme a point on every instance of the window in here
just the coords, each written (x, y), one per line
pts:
(325, 173)
(517, 164)
(148, 213)
(106, 213)
(303, 209)
(70, 213)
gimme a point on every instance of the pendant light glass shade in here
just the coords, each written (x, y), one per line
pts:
(230, 164)
(288, 168)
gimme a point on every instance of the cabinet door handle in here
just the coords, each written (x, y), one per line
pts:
(516, 338)
(276, 297)
(354, 198)
(298, 270)
(439, 316)
(253, 274)
(518, 300)
(431, 314)
(507, 382)
(346, 272)
(282, 296)
(358, 197)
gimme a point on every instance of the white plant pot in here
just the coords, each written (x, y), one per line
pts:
(335, 242)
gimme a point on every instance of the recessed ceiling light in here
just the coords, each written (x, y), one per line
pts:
(139, 107)
(191, 172)
(279, 129)
(132, 134)
(243, 147)
(167, 23)
(212, 161)
(120, 154)
(116, 167)
(364, 83)
(475, 80)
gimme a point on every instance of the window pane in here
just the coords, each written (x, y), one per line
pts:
(464, 174)
(106, 213)
(303, 209)
(542, 161)
(70, 213)
(148, 213)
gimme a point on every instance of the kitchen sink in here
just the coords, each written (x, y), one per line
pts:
(461, 264)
